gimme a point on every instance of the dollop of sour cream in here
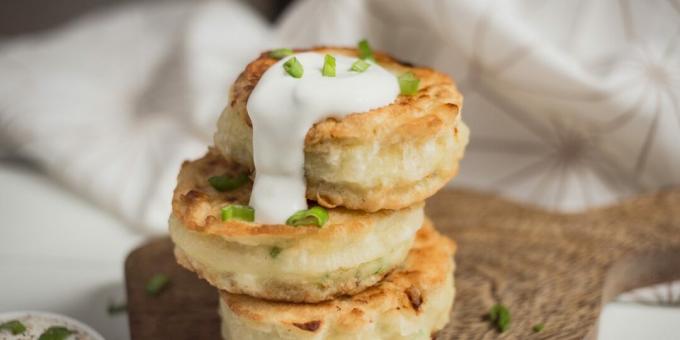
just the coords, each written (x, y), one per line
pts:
(283, 108)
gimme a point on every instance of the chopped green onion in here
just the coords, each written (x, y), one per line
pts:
(365, 51)
(328, 66)
(293, 67)
(13, 326)
(56, 333)
(238, 212)
(538, 327)
(317, 216)
(116, 308)
(359, 66)
(157, 284)
(408, 83)
(280, 53)
(274, 252)
(500, 317)
(226, 183)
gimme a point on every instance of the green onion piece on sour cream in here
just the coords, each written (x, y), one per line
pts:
(293, 67)
(360, 66)
(328, 69)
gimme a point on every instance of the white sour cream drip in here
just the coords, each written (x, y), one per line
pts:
(282, 110)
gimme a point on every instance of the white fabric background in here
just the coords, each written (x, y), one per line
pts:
(571, 103)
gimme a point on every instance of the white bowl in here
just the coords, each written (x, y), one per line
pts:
(37, 322)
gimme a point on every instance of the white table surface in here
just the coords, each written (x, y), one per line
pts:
(62, 254)
(59, 253)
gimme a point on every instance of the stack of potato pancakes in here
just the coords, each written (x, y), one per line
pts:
(376, 268)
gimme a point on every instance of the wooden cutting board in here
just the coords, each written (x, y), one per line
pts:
(547, 268)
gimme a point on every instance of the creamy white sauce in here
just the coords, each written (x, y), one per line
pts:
(283, 108)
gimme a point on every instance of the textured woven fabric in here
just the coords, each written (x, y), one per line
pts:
(571, 104)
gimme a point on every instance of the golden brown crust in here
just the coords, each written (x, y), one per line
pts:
(196, 204)
(332, 195)
(426, 269)
(349, 161)
(278, 289)
(436, 104)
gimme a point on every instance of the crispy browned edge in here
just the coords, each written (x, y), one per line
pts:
(426, 268)
(277, 289)
(196, 204)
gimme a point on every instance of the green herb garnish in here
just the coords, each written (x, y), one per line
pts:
(238, 212)
(317, 216)
(55, 333)
(274, 252)
(116, 308)
(500, 316)
(328, 69)
(226, 183)
(157, 284)
(365, 51)
(537, 327)
(408, 83)
(280, 53)
(293, 67)
(13, 326)
(359, 66)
